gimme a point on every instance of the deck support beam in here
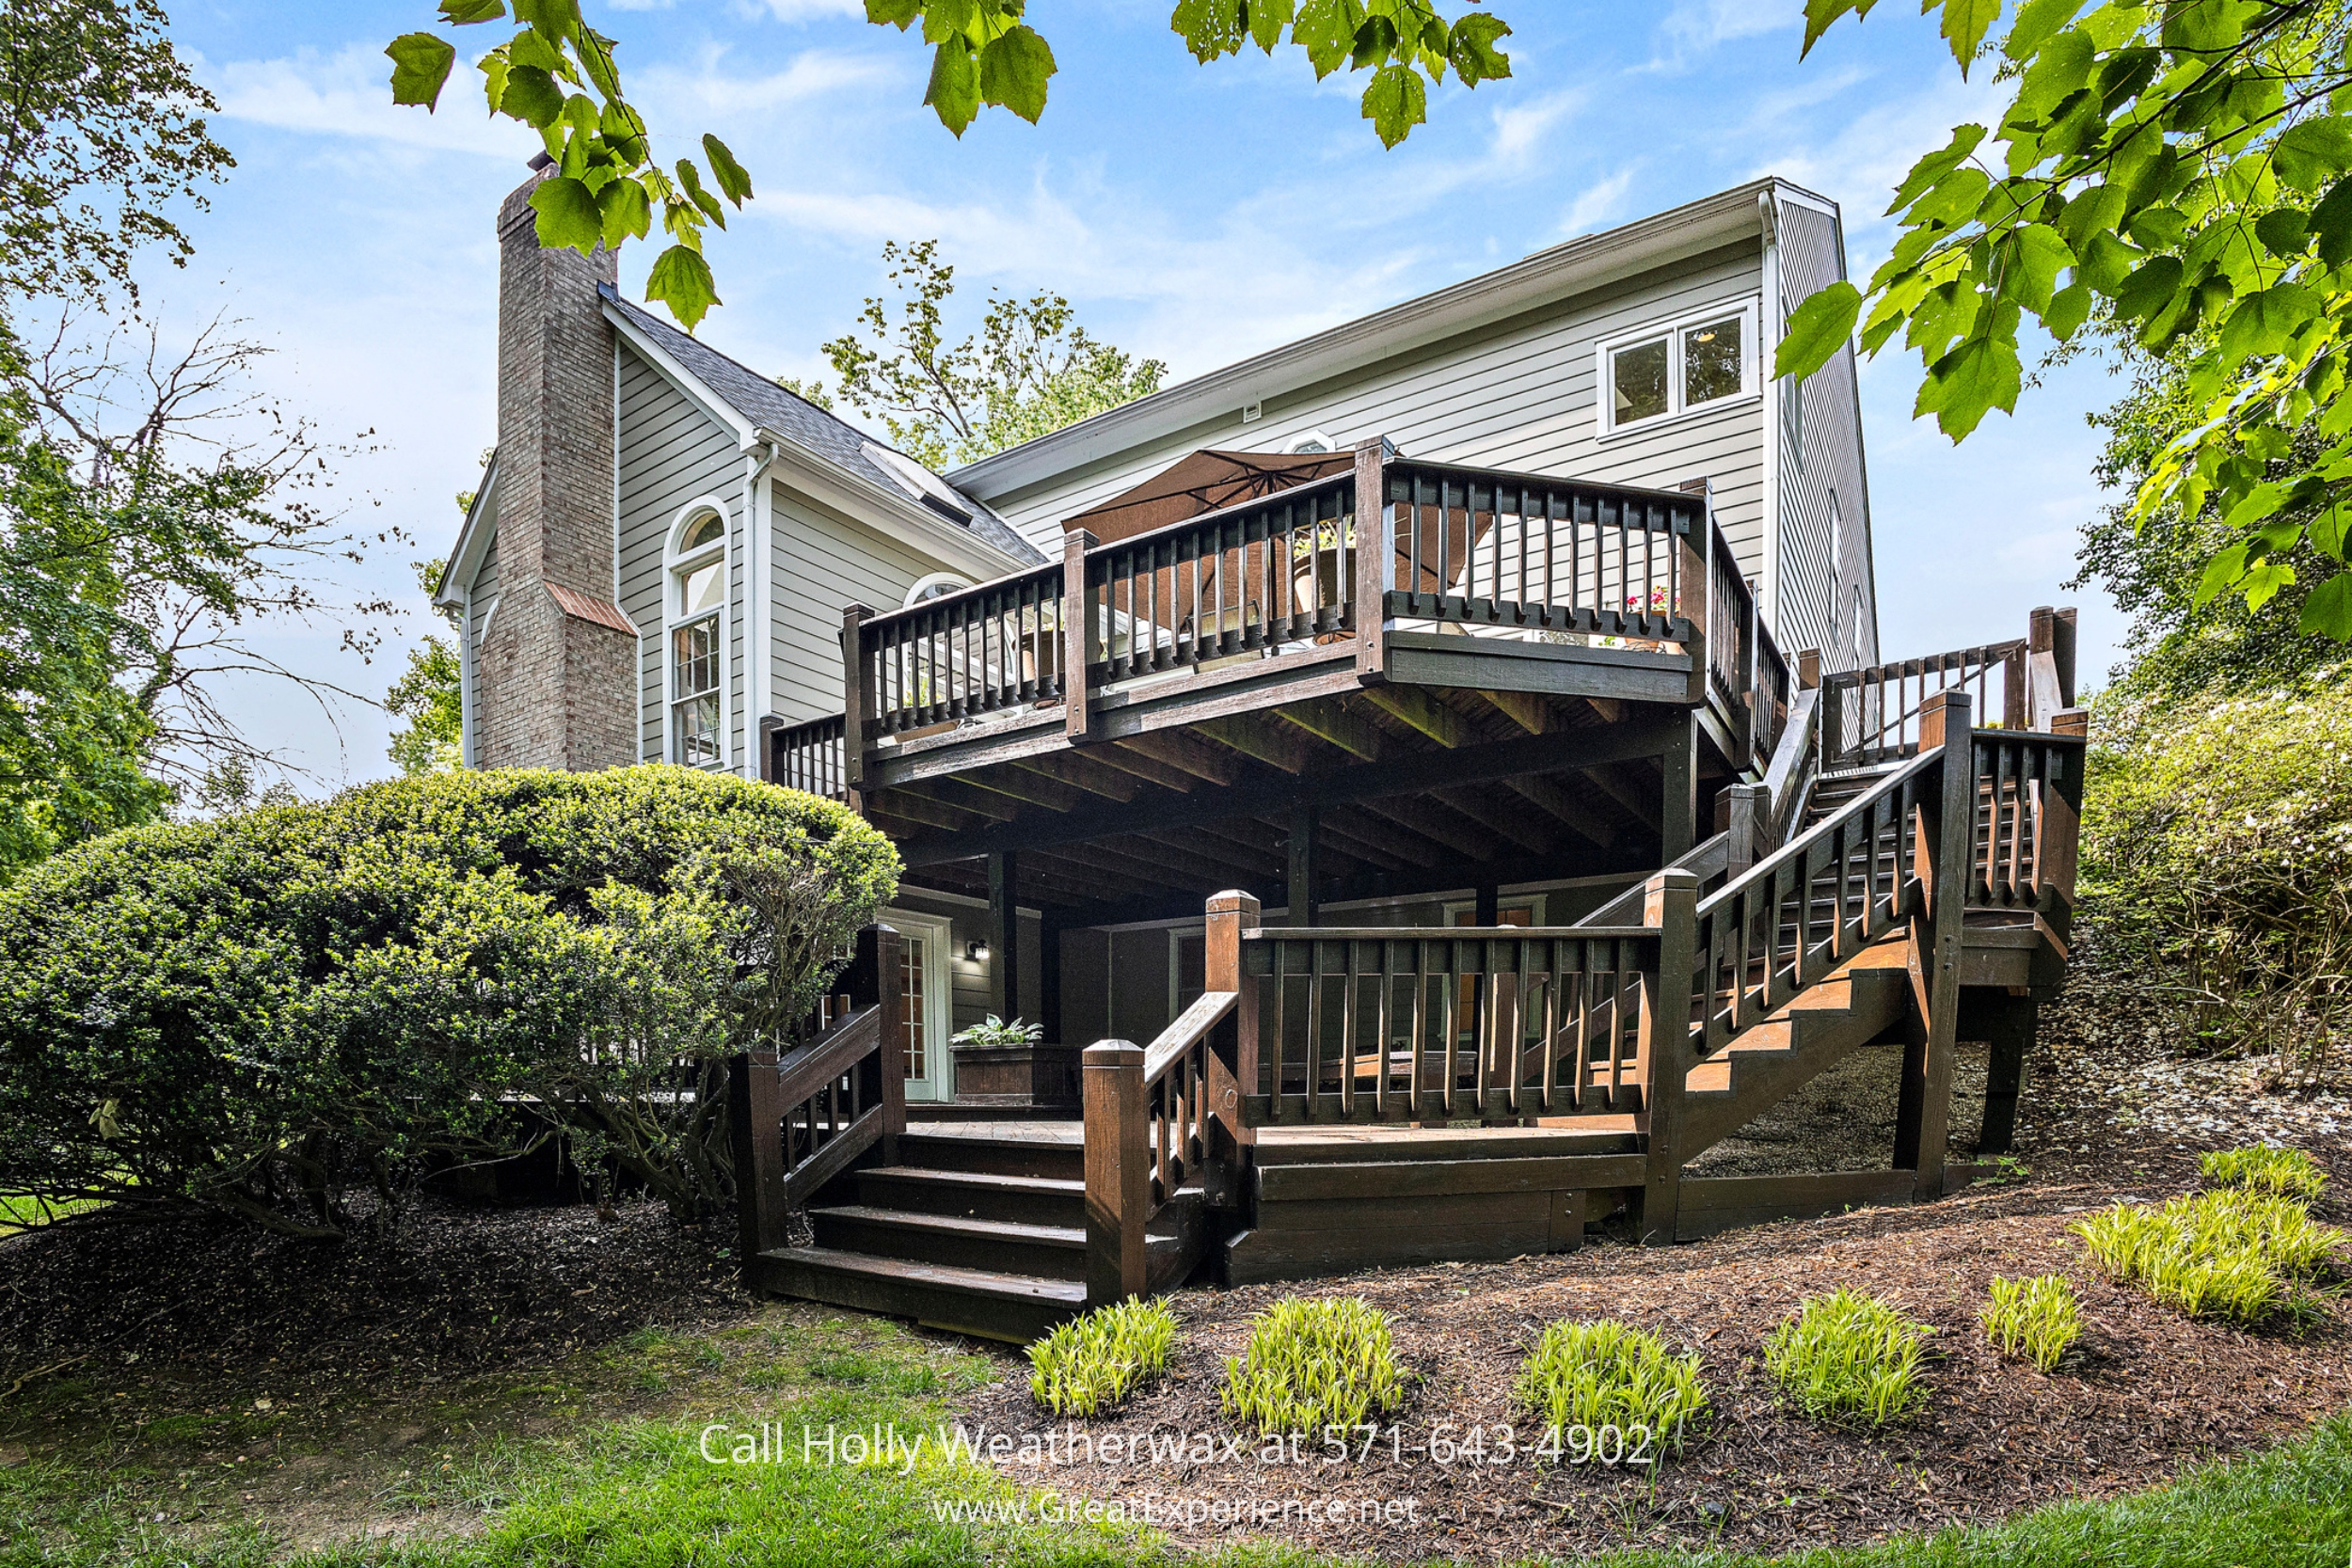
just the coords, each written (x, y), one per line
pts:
(1302, 890)
(1004, 935)
(1670, 903)
(2011, 1024)
(1679, 803)
(1923, 1113)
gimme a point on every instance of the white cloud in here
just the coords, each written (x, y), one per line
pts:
(706, 87)
(807, 10)
(1522, 128)
(1600, 203)
(347, 94)
(1696, 25)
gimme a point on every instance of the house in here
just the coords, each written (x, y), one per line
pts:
(1138, 697)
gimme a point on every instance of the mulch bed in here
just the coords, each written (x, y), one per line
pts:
(456, 1292)
(2145, 1392)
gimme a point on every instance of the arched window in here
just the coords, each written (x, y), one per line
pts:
(697, 592)
(1314, 441)
(935, 586)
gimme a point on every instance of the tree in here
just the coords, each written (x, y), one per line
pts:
(557, 74)
(100, 129)
(1031, 369)
(2187, 168)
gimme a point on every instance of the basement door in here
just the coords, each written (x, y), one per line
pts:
(924, 942)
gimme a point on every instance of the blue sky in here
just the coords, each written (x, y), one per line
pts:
(1193, 214)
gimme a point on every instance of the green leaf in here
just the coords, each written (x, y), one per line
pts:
(1928, 170)
(681, 280)
(1213, 29)
(531, 96)
(534, 47)
(1472, 51)
(1395, 102)
(2329, 530)
(900, 14)
(1965, 23)
(954, 92)
(2328, 611)
(2225, 568)
(691, 179)
(420, 65)
(1014, 69)
(623, 212)
(1820, 324)
(1819, 14)
(734, 183)
(463, 13)
(2069, 308)
(2312, 150)
(567, 216)
(2036, 256)
(2153, 285)
(2332, 221)
(2266, 322)
(2262, 582)
(558, 17)
(2037, 20)
(2284, 232)
(1980, 375)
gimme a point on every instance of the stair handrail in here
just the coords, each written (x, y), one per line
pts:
(1707, 859)
(1789, 776)
(800, 1121)
(1161, 1116)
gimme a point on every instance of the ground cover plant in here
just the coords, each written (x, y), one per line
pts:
(1314, 1364)
(1092, 1362)
(270, 1012)
(1587, 1376)
(2036, 1319)
(2229, 1254)
(2284, 1172)
(1845, 1356)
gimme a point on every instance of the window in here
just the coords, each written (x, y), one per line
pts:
(1312, 442)
(698, 592)
(1674, 368)
(935, 586)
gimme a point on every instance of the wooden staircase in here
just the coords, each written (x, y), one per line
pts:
(1813, 1032)
(970, 1229)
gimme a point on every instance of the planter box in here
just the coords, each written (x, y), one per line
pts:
(1017, 1074)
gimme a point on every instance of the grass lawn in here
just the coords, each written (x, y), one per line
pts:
(598, 1463)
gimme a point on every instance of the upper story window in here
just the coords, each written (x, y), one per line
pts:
(1684, 365)
(1311, 442)
(938, 585)
(697, 594)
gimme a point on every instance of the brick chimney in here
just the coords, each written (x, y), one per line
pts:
(559, 667)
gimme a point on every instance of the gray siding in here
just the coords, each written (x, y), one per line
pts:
(1824, 504)
(1520, 396)
(484, 598)
(824, 562)
(671, 451)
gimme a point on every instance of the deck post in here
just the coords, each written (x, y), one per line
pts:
(1301, 893)
(1924, 1110)
(1670, 903)
(1003, 934)
(1809, 670)
(2012, 1027)
(1078, 634)
(2062, 629)
(854, 688)
(1678, 821)
(877, 978)
(1118, 1171)
(1375, 558)
(1233, 1053)
(756, 1128)
(1695, 571)
(1743, 815)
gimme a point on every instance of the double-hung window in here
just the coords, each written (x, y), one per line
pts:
(1663, 370)
(698, 589)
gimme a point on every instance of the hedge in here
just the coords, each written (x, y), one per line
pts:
(269, 1011)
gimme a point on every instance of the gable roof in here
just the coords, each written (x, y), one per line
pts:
(758, 402)
(1556, 273)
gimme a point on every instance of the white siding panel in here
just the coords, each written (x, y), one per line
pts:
(1826, 576)
(824, 563)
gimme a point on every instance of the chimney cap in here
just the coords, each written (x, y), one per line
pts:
(538, 161)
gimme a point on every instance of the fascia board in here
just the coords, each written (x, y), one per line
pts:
(823, 481)
(692, 386)
(474, 539)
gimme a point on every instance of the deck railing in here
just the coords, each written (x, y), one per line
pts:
(2029, 791)
(1489, 553)
(809, 756)
(1872, 715)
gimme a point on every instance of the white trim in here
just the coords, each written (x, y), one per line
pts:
(616, 477)
(468, 722)
(674, 565)
(956, 581)
(1310, 441)
(759, 697)
(938, 998)
(1605, 425)
(1766, 350)
(474, 539)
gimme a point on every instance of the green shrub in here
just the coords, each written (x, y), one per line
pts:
(1845, 1356)
(2229, 1253)
(2034, 1319)
(1314, 1364)
(258, 1012)
(2217, 834)
(2284, 1172)
(1607, 1374)
(1090, 1363)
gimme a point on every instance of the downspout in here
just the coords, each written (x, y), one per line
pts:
(759, 696)
(468, 722)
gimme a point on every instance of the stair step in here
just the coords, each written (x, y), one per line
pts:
(983, 1152)
(974, 1194)
(1045, 1251)
(994, 1305)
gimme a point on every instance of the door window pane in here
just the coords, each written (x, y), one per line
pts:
(918, 1036)
(1638, 375)
(1711, 364)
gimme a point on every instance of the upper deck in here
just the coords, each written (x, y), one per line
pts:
(1423, 675)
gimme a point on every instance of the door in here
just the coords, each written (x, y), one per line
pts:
(924, 940)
